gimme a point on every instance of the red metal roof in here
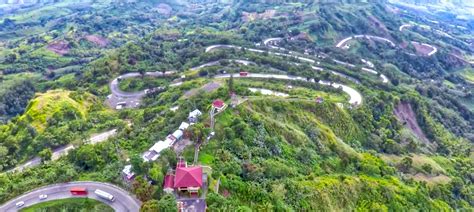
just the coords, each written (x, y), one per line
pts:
(218, 103)
(188, 177)
(169, 181)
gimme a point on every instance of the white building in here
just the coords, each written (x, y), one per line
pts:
(154, 152)
(183, 126)
(127, 172)
(194, 115)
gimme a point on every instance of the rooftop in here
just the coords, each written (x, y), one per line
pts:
(218, 103)
(188, 177)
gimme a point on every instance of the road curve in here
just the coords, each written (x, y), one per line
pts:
(115, 89)
(124, 202)
(355, 96)
(343, 41)
(268, 42)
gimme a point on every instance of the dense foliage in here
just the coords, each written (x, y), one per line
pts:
(408, 146)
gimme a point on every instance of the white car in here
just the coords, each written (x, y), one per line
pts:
(43, 196)
(19, 204)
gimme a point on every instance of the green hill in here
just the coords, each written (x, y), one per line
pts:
(48, 105)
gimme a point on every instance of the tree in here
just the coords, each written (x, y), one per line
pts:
(150, 206)
(406, 164)
(198, 132)
(156, 173)
(427, 168)
(143, 189)
(45, 154)
(138, 165)
(230, 83)
(167, 203)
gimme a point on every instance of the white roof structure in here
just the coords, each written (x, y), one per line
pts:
(154, 152)
(177, 134)
(175, 108)
(127, 171)
(195, 113)
(183, 126)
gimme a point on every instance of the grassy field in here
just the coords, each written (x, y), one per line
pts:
(69, 205)
(45, 105)
(6, 81)
(468, 74)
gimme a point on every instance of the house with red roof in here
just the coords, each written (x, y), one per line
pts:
(218, 104)
(184, 179)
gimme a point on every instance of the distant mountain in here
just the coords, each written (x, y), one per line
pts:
(452, 2)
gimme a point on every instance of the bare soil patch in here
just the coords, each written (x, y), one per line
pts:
(247, 17)
(98, 40)
(439, 179)
(405, 114)
(59, 47)
(422, 49)
(209, 87)
(164, 9)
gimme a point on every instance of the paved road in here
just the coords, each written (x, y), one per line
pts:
(217, 62)
(355, 96)
(124, 202)
(57, 153)
(268, 42)
(370, 37)
(433, 49)
(131, 99)
(115, 89)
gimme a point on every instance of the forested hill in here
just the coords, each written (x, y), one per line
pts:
(318, 106)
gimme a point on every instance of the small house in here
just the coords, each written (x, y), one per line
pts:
(183, 126)
(218, 104)
(154, 152)
(127, 172)
(194, 116)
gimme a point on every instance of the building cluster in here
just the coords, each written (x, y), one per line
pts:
(153, 153)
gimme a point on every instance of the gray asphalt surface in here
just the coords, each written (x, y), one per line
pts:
(131, 99)
(124, 202)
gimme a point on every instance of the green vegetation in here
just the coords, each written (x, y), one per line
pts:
(408, 147)
(73, 204)
(44, 106)
(140, 84)
(468, 74)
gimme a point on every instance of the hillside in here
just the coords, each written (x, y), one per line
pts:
(46, 106)
(238, 105)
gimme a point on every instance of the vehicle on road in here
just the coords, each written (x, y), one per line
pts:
(19, 204)
(104, 195)
(43, 196)
(244, 73)
(78, 191)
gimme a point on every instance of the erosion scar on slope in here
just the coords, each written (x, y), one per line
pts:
(405, 114)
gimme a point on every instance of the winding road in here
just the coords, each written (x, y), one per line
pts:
(124, 201)
(355, 96)
(271, 42)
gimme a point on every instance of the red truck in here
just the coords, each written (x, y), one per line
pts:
(244, 73)
(78, 191)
